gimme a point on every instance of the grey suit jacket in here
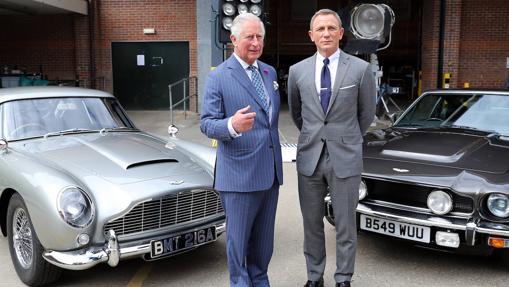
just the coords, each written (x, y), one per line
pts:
(351, 111)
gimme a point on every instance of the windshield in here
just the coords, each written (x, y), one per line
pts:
(485, 112)
(36, 117)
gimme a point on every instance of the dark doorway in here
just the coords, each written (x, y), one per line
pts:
(142, 72)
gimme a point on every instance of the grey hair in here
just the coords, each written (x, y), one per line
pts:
(324, 12)
(240, 19)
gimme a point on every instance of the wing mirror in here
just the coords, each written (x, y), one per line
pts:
(3, 145)
(173, 130)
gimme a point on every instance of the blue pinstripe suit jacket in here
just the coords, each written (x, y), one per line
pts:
(253, 161)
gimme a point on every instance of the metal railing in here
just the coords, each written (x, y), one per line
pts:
(192, 83)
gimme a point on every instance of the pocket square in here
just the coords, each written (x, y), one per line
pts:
(347, 87)
(276, 85)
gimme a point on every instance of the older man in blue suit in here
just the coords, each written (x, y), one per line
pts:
(241, 109)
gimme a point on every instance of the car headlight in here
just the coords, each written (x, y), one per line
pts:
(498, 204)
(75, 207)
(363, 190)
(440, 202)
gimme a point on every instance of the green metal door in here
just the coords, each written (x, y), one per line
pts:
(142, 72)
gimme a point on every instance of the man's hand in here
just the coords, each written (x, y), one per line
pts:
(242, 120)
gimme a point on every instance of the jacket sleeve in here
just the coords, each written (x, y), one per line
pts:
(294, 101)
(367, 99)
(213, 121)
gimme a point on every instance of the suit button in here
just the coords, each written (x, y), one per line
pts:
(325, 122)
(271, 146)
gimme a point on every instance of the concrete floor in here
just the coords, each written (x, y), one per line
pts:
(380, 261)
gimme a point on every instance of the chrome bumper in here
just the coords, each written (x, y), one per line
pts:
(111, 253)
(470, 227)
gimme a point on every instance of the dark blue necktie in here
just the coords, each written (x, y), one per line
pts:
(325, 86)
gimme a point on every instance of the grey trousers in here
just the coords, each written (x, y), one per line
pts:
(345, 196)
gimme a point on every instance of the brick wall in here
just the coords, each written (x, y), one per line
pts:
(124, 20)
(430, 43)
(476, 43)
(39, 43)
(484, 43)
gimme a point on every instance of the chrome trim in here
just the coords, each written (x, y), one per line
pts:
(169, 211)
(413, 208)
(111, 253)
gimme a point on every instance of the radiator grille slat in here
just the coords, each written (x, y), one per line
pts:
(168, 210)
(412, 195)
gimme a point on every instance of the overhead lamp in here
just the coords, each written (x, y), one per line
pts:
(242, 9)
(230, 9)
(370, 25)
(256, 10)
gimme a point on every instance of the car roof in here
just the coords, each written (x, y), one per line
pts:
(19, 93)
(468, 91)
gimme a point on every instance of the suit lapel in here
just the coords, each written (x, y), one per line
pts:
(343, 64)
(240, 75)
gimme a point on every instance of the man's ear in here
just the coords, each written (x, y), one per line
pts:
(310, 33)
(233, 39)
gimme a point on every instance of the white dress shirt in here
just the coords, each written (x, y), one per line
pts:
(333, 68)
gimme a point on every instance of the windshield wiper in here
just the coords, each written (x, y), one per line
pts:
(469, 128)
(409, 125)
(105, 130)
(69, 131)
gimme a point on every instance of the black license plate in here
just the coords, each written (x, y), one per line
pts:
(182, 242)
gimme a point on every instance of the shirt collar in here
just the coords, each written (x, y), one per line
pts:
(244, 64)
(332, 58)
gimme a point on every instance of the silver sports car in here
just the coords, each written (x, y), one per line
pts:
(80, 185)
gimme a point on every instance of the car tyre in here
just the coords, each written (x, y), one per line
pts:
(25, 248)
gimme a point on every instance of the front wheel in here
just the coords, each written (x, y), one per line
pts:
(25, 248)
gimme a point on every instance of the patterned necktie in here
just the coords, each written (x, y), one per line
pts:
(258, 84)
(325, 86)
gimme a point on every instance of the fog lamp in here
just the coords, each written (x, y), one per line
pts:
(439, 202)
(83, 239)
(447, 239)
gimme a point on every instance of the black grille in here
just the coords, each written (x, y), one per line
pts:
(412, 195)
(169, 210)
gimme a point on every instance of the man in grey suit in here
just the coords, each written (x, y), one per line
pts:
(241, 110)
(332, 101)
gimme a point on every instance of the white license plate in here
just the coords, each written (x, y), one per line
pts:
(182, 242)
(394, 228)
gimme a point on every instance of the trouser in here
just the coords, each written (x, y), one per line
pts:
(345, 196)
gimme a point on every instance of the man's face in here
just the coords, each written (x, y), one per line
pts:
(249, 46)
(326, 34)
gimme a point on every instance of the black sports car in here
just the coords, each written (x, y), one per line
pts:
(439, 176)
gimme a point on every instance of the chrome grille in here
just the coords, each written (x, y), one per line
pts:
(168, 210)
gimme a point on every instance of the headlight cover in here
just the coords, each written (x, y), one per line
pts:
(440, 202)
(363, 190)
(498, 205)
(75, 207)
